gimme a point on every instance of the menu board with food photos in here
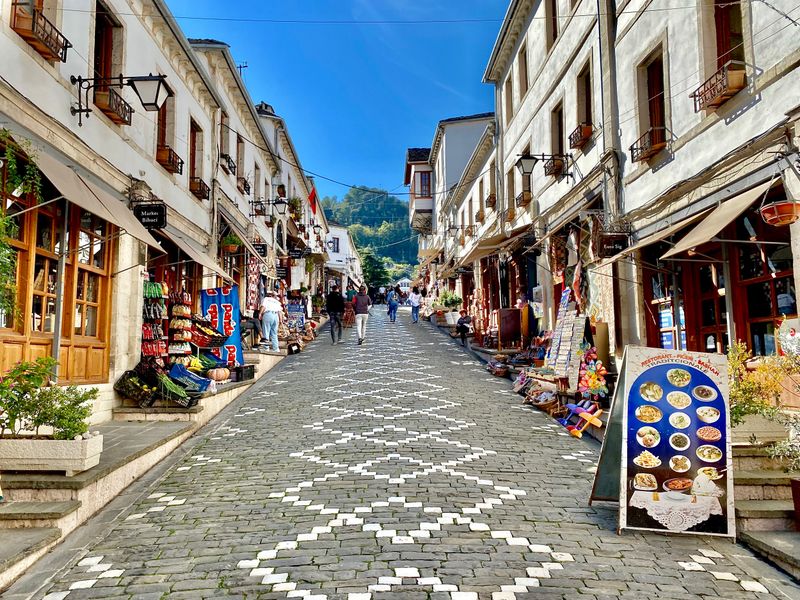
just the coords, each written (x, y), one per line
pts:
(676, 471)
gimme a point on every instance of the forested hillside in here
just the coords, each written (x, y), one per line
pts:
(376, 220)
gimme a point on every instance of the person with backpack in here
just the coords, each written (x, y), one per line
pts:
(334, 303)
(362, 303)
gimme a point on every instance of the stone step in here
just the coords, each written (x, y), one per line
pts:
(20, 548)
(762, 485)
(779, 547)
(764, 515)
(753, 458)
(14, 515)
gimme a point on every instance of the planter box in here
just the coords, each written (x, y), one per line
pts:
(70, 456)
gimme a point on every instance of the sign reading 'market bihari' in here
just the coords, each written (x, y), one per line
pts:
(668, 444)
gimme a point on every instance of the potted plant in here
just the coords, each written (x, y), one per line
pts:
(230, 243)
(295, 205)
(42, 426)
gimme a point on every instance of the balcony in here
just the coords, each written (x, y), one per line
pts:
(720, 87)
(480, 216)
(420, 215)
(199, 188)
(651, 143)
(470, 230)
(227, 163)
(523, 199)
(40, 33)
(581, 135)
(113, 106)
(491, 200)
(243, 186)
(554, 166)
(167, 158)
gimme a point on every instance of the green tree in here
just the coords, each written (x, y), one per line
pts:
(375, 273)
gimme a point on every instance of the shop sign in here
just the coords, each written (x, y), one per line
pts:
(221, 307)
(152, 215)
(666, 456)
(281, 272)
(295, 253)
(611, 244)
(261, 249)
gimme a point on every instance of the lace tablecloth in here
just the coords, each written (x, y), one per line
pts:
(677, 515)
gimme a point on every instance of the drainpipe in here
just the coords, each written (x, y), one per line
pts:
(500, 189)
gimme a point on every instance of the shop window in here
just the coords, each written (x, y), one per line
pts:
(91, 240)
(522, 70)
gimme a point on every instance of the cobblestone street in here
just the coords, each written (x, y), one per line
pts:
(397, 469)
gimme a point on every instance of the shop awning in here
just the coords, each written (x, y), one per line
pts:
(194, 251)
(241, 234)
(91, 198)
(718, 219)
(494, 244)
(656, 237)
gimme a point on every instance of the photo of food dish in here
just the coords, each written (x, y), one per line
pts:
(704, 393)
(709, 434)
(710, 472)
(651, 391)
(679, 464)
(679, 441)
(647, 460)
(648, 414)
(679, 377)
(709, 453)
(679, 420)
(679, 399)
(648, 436)
(679, 484)
(708, 414)
(645, 481)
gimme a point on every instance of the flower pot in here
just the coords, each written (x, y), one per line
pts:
(783, 212)
(70, 456)
(230, 248)
(796, 499)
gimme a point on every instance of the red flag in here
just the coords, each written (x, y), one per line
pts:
(312, 200)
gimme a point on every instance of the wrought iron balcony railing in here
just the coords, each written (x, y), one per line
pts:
(651, 143)
(113, 105)
(554, 166)
(40, 33)
(227, 163)
(199, 188)
(523, 199)
(720, 87)
(581, 135)
(168, 158)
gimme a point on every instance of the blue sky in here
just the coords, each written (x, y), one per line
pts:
(356, 96)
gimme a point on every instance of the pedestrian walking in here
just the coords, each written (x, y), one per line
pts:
(270, 313)
(351, 292)
(415, 298)
(335, 306)
(362, 304)
(393, 299)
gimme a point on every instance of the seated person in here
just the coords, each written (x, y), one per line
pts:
(252, 324)
(462, 327)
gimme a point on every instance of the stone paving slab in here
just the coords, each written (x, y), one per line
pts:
(396, 469)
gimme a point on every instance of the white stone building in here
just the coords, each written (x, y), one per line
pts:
(343, 265)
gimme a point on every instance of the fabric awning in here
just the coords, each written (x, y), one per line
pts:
(194, 251)
(91, 198)
(494, 244)
(656, 237)
(242, 235)
(127, 220)
(718, 219)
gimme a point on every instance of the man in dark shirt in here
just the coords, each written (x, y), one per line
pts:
(462, 327)
(335, 305)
